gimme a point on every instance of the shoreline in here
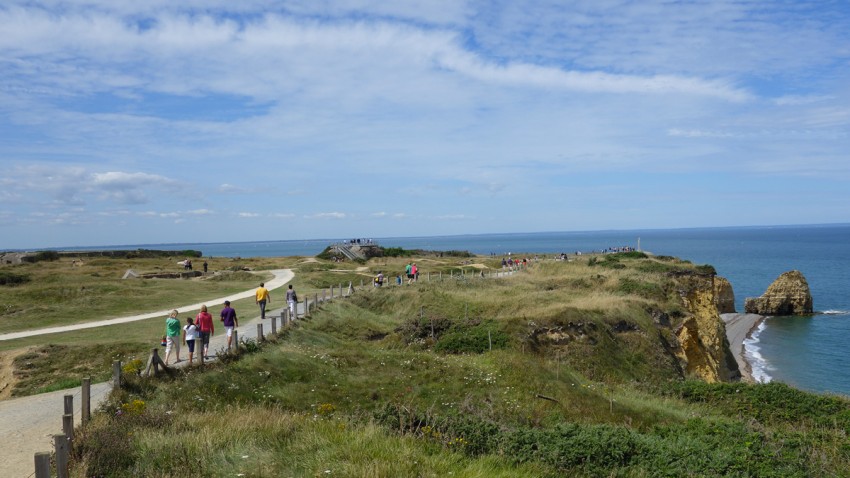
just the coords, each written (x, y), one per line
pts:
(740, 327)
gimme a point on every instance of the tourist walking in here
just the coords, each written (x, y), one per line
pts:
(263, 297)
(204, 323)
(190, 333)
(292, 300)
(172, 336)
(228, 317)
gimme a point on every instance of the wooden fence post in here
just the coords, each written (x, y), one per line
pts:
(441, 276)
(361, 283)
(235, 339)
(429, 276)
(316, 300)
(85, 405)
(116, 374)
(68, 426)
(306, 307)
(60, 448)
(332, 292)
(68, 403)
(260, 337)
(42, 465)
(274, 325)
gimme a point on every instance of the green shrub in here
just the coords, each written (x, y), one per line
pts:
(475, 340)
(41, 256)
(10, 278)
(647, 290)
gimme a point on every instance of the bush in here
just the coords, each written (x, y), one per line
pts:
(41, 256)
(10, 278)
(476, 340)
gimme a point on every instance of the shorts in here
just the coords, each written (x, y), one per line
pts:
(228, 331)
(191, 345)
(205, 338)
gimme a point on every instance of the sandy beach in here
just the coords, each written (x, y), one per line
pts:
(738, 328)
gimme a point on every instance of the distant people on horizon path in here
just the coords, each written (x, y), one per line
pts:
(204, 322)
(263, 297)
(172, 336)
(228, 317)
(205, 267)
(292, 300)
(190, 333)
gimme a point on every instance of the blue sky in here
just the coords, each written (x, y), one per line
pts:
(126, 122)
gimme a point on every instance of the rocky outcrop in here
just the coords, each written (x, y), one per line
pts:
(703, 349)
(725, 296)
(787, 295)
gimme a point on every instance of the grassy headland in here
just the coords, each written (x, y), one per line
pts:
(561, 370)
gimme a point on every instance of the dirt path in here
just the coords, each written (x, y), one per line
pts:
(7, 378)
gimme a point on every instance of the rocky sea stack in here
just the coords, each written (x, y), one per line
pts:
(788, 295)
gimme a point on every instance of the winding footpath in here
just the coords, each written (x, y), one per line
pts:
(27, 424)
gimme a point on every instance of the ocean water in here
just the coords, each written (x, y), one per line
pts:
(811, 353)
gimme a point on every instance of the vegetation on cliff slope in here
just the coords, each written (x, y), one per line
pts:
(564, 369)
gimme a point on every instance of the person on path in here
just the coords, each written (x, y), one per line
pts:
(292, 300)
(407, 271)
(172, 336)
(263, 297)
(204, 323)
(190, 333)
(205, 267)
(228, 316)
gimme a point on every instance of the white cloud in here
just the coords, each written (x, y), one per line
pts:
(248, 214)
(327, 215)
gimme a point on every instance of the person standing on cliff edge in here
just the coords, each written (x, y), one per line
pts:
(263, 297)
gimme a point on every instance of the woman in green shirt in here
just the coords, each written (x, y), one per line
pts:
(172, 336)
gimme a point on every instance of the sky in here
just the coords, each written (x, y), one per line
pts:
(127, 122)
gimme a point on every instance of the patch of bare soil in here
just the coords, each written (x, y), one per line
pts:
(7, 376)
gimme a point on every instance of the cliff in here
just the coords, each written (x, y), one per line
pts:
(703, 349)
(725, 295)
(789, 294)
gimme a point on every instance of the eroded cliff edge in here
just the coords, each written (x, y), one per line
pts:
(703, 348)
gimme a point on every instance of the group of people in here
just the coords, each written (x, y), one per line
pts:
(201, 328)
(412, 272)
(263, 297)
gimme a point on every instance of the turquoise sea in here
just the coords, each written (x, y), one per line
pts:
(812, 353)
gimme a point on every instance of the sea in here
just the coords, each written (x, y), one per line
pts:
(810, 352)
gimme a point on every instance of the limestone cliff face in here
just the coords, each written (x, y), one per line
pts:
(703, 349)
(789, 294)
(725, 295)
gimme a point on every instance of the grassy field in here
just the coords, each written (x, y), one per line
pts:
(557, 371)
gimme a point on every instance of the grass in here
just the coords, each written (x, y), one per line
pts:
(396, 382)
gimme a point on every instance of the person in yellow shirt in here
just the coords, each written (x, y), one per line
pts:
(263, 298)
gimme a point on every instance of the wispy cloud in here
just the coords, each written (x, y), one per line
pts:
(156, 113)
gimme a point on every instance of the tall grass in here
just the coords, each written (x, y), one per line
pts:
(369, 387)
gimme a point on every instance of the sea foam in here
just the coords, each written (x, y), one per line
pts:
(752, 352)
